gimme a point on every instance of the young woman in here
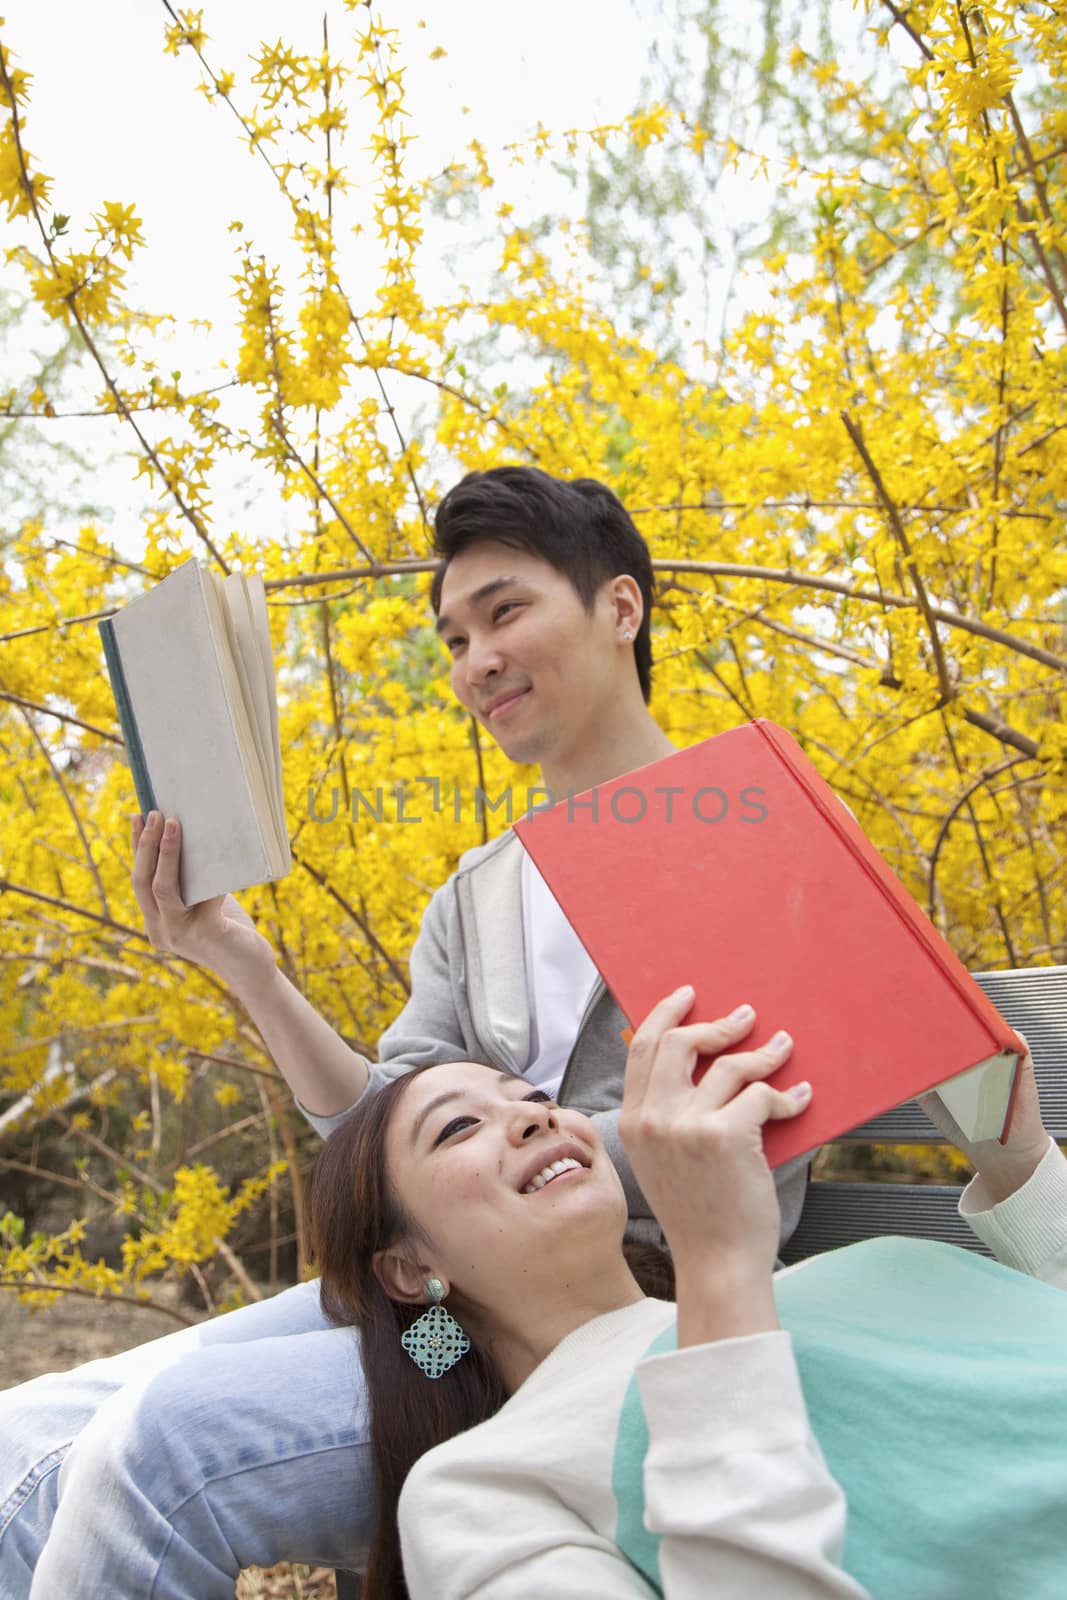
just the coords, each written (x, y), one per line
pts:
(619, 1445)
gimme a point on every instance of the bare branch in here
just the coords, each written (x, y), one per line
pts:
(72, 808)
(62, 716)
(900, 17)
(71, 301)
(1001, 730)
(950, 816)
(855, 433)
(22, 1285)
(361, 922)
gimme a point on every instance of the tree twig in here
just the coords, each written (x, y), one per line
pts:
(65, 792)
(855, 433)
(70, 299)
(950, 816)
(61, 716)
(142, 1304)
(361, 922)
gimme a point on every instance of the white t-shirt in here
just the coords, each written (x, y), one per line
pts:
(559, 980)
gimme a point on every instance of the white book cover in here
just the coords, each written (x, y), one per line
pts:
(188, 728)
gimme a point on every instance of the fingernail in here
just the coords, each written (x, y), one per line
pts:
(780, 1040)
(742, 1014)
(170, 828)
(151, 819)
(799, 1091)
(685, 992)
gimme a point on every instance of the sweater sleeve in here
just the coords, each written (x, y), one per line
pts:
(484, 1531)
(735, 1482)
(1028, 1230)
(427, 1031)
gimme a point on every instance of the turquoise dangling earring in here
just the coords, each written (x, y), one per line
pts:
(436, 1341)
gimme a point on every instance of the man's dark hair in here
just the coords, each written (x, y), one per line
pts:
(580, 527)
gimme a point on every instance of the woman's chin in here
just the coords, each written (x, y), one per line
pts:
(583, 1202)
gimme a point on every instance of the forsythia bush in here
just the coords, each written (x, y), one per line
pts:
(857, 525)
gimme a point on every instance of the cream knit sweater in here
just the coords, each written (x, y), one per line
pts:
(525, 1506)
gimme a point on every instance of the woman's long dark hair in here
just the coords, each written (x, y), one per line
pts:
(353, 1214)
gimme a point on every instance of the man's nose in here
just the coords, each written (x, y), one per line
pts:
(483, 661)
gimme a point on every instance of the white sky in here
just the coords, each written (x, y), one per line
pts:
(111, 117)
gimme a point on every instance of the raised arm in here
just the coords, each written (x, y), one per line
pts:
(1017, 1200)
(325, 1073)
(697, 1152)
(734, 1480)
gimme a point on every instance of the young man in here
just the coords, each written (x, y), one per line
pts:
(163, 1471)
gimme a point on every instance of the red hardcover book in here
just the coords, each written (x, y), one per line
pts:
(733, 866)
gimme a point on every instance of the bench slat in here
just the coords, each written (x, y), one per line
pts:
(841, 1213)
(1034, 1000)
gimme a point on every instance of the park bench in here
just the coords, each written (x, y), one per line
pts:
(1033, 1000)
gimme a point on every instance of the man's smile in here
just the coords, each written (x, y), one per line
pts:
(503, 703)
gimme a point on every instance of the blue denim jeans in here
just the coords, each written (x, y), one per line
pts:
(159, 1473)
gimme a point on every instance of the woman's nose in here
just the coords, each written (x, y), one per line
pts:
(531, 1119)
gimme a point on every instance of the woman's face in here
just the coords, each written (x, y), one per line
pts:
(500, 1181)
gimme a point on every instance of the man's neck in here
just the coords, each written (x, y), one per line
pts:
(613, 750)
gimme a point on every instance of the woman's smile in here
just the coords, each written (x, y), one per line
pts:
(552, 1170)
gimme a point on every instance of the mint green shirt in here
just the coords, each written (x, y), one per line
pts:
(936, 1384)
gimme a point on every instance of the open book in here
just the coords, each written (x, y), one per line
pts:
(733, 866)
(192, 673)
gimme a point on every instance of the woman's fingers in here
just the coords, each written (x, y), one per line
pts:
(758, 1103)
(669, 1074)
(728, 1074)
(646, 1042)
(659, 1073)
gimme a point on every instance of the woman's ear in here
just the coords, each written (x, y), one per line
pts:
(401, 1277)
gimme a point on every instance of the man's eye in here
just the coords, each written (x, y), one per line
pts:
(452, 645)
(455, 1126)
(508, 605)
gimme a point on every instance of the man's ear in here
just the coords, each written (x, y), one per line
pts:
(627, 602)
(401, 1277)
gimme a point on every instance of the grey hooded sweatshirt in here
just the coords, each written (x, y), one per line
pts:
(469, 1002)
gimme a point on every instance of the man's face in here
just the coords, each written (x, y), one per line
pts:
(528, 660)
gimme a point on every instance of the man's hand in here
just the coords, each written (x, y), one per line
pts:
(697, 1152)
(217, 934)
(1002, 1168)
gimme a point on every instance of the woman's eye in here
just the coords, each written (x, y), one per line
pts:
(508, 605)
(455, 1126)
(540, 1097)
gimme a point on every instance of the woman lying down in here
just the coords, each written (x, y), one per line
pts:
(887, 1420)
